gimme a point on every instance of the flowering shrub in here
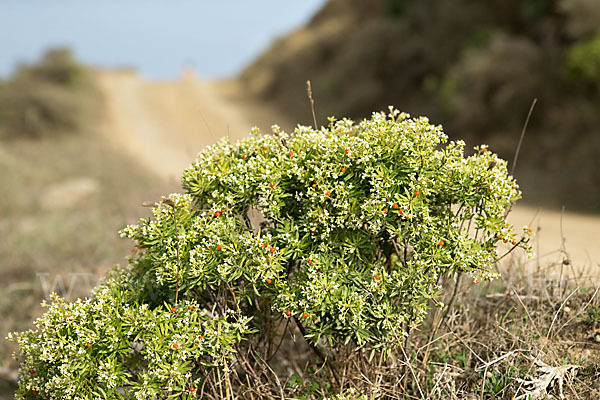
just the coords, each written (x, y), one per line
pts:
(344, 232)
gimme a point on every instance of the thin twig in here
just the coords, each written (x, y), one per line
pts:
(317, 351)
(579, 312)
(408, 364)
(456, 285)
(559, 310)
(514, 164)
(312, 103)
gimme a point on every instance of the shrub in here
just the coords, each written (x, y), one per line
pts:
(583, 60)
(343, 232)
(57, 66)
(49, 97)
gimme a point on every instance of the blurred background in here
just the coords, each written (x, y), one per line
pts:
(103, 104)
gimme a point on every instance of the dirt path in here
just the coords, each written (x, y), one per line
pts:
(581, 235)
(165, 124)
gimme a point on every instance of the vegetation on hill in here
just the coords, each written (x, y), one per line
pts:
(51, 97)
(474, 67)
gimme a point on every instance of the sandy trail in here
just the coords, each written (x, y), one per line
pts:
(165, 124)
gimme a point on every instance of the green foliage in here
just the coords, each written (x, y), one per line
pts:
(583, 60)
(531, 10)
(592, 315)
(57, 66)
(395, 8)
(344, 231)
(112, 345)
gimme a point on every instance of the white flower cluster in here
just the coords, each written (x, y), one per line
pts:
(82, 348)
(356, 224)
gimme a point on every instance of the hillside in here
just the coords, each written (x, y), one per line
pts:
(474, 67)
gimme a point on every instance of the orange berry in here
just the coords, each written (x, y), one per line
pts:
(346, 151)
(218, 247)
(529, 230)
(328, 194)
(222, 211)
(31, 372)
(288, 313)
(269, 280)
(243, 157)
(305, 315)
(385, 210)
(314, 185)
(88, 345)
(500, 237)
(505, 240)
(343, 169)
(378, 288)
(139, 247)
(272, 184)
(218, 214)
(441, 243)
(350, 134)
(514, 242)
(310, 261)
(192, 389)
(377, 277)
(264, 147)
(312, 231)
(201, 338)
(395, 206)
(417, 193)
(268, 259)
(175, 346)
(133, 251)
(401, 211)
(174, 309)
(484, 150)
(291, 153)
(67, 316)
(272, 249)
(190, 307)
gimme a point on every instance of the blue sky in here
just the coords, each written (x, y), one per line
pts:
(157, 37)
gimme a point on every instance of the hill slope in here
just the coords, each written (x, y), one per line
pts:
(474, 67)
